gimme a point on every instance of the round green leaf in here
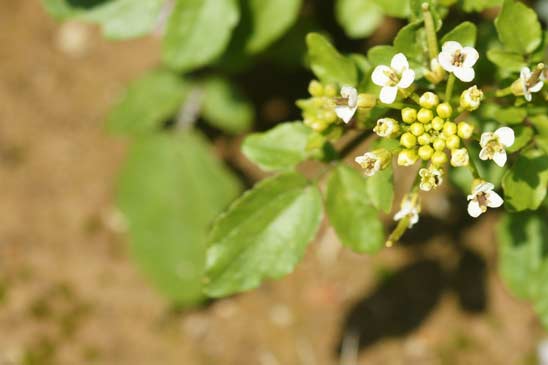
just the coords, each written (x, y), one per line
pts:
(327, 63)
(263, 235)
(518, 27)
(358, 18)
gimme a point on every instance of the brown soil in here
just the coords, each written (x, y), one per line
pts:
(69, 293)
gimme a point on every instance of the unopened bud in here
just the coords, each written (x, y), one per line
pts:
(471, 98)
(407, 157)
(465, 130)
(315, 88)
(429, 100)
(367, 101)
(387, 127)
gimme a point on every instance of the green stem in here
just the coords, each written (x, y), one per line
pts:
(472, 166)
(449, 87)
(431, 37)
(504, 92)
(396, 234)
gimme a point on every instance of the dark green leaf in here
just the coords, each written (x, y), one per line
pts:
(263, 234)
(225, 107)
(279, 148)
(148, 102)
(327, 63)
(465, 33)
(171, 188)
(523, 137)
(354, 218)
(526, 182)
(518, 27)
(198, 32)
(510, 115)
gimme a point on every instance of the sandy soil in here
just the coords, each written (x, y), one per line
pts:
(69, 293)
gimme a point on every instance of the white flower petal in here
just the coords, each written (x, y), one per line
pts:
(351, 93)
(407, 78)
(413, 219)
(399, 63)
(359, 159)
(484, 155)
(474, 209)
(500, 158)
(446, 61)
(484, 187)
(388, 94)
(471, 57)
(399, 215)
(345, 112)
(465, 74)
(493, 199)
(485, 138)
(379, 75)
(451, 47)
(524, 74)
(527, 94)
(536, 87)
(506, 136)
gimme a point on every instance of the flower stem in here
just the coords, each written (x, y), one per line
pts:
(431, 37)
(396, 234)
(504, 92)
(473, 168)
(449, 87)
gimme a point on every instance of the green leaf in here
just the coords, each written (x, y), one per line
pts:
(119, 19)
(526, 182)
(380, 189)
(523, 137)
(395, 8)
(541, 124)
(355, 220)
(508, 61)
(280, 148)
(148, 102)
(170, 190)
(518, 27)
(523, 239)
(465, 33)
(198, 31)
(271, 19)
(327, 63)
(224, 107)
(417, 14)
(511, 115)
(406, 40)
(358, 18)
(263, 235)
(381, 55)
(479, 5)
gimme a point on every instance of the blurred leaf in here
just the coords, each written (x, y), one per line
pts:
(406, 41)
(358, 18)
(523, 241)
(282, 147)
(479, 5)
(198, 31)
(511, 115)
(541, 124)
(465, 33)
(524, 135)
(328, 64)
(380, 188)
(381, 55)
(224, 107)
(518, 27)
(263, 235)
(355, 220)
(417, 14)
(119, 19)
(271, 19)
(395, 8)
(148, 102)
(170, 190)
(526, 182)
(508, 61)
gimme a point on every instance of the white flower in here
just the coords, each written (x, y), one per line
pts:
(370, 162)
(525, 77)
(386, 127)
(460, 157)
(431, 178)
(493, 145)
(397, 76)
(482, 197)
(347, 110)
(459, 60)
(410, 207)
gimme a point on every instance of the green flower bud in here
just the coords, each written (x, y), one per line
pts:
(452, 142)
(459, 157)
(470, 99)
(387, 127)
(407, 157)
(330, 116)
(330, 90)
(439, 144)
(424, 138)
(408, 115)
(428, 127)
(318, 125)
(429, 100)
(416, 128)
(465, 130)
(408, 140)
(444, 110)
(437, 123)
(367, 101)
(449, 129)
(426, 152)
(439, 158)
(425, 115)
(315, 88)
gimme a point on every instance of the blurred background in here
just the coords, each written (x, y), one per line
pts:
(70, 292)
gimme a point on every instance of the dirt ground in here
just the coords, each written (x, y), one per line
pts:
(69, 293)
